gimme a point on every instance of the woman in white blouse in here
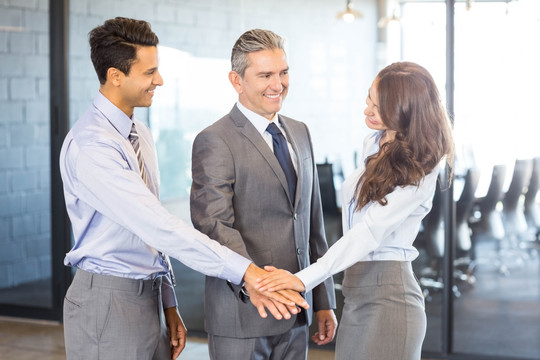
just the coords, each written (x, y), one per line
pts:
(384, 201)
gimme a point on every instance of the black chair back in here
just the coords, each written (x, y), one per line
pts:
(532, 188)
(495, 191)
(466, 200)
(532, 208)
(434, 226)
(490, 222)
(520, 179)
(464, 207)
(328, 190)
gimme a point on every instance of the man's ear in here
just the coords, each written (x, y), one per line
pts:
(114, 76)
(236, 81)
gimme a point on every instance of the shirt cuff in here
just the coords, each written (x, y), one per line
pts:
(312, 276)
(235, 268)
(168, 296)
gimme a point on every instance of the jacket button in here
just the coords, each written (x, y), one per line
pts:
(295, 216)
(299, 251)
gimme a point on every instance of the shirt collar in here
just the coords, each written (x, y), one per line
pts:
(121, 122)
(260, 122)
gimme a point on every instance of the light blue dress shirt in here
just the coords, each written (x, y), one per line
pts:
(375, 232)
(118, 222)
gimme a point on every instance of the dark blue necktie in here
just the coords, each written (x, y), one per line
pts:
(281, 150)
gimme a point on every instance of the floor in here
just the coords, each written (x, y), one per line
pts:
(32, 340)
(499, 314)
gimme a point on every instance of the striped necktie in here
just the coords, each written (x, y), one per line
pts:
(134, 140)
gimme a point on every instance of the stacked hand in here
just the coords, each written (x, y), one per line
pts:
(281, 303)
(278, 280)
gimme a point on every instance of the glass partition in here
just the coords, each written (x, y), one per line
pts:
(496, 77)
(25, 185)
(423, 32)
(496, 276)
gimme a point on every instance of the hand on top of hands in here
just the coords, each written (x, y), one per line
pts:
(280, 302)
(279, 279)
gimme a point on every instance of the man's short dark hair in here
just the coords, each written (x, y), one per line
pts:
(114, 44)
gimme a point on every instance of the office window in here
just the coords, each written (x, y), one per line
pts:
(496, 269)
(196, 93)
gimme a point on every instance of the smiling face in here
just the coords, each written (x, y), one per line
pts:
(265, 83)
(137, 88)
(374, 120)
(373, 116)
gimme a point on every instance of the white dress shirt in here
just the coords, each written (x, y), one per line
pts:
(118, 223)
(261, 123)
(375, 232)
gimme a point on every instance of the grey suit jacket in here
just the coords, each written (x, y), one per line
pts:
(240, 198)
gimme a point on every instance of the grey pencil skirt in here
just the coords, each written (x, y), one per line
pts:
(384, 314)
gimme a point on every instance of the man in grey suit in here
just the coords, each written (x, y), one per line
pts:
(270, 213)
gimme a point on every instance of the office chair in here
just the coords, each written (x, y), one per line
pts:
(514, 221)
(331, 212)
(463, 264)
(530, 204)
(489, 226)
(433, 237)
(328, 189)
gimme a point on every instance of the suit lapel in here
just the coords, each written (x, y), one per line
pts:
(247, 129)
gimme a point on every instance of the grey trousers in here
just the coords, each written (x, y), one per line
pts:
(291, 345)
(112, 318)
(384, 315)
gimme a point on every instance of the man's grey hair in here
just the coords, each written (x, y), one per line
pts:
(253, 41)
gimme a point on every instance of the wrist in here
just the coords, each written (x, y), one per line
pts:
(244, 294)
(250, 274)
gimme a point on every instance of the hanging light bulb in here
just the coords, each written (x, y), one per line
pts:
(468, 4)
(349, 15)
(385, 21)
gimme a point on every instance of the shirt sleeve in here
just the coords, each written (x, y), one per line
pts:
(168, 295)
(376, 223)
(108, 185)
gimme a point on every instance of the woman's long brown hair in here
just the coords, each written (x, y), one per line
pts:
(409, 103)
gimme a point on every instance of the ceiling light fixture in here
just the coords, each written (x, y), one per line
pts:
(349, 15)
(385, 21)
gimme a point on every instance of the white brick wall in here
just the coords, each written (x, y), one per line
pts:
(12, 158)
(11, 112)
(3, 190)
(22, 42)
(3, 89)
(24, 142)
(23, 88)
(12, 65)
(11, 16)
